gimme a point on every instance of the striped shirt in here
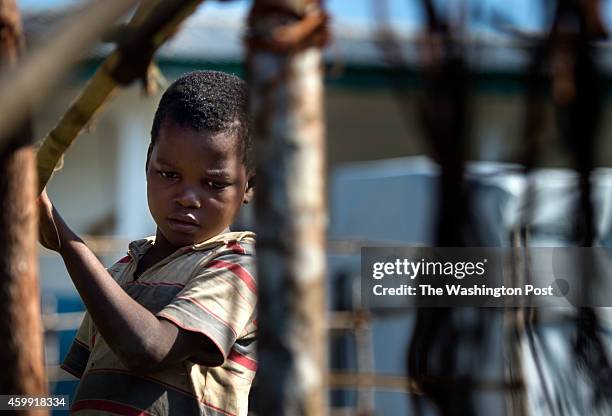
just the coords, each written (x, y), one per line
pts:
(207, 288)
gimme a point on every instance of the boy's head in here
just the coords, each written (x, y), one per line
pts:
(207, 100)
(199, 163)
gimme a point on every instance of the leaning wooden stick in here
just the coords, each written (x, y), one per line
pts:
(25, 85)
(153, 24)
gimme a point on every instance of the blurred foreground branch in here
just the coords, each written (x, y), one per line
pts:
(153, 24)
(447, 344)
(26, 85)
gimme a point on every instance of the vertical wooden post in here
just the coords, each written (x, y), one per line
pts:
(285, 74)
(21, 355)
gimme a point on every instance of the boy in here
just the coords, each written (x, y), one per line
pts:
(170, 328)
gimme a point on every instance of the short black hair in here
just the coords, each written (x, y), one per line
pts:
(207, 100)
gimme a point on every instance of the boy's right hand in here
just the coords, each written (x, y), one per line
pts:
(48, 232)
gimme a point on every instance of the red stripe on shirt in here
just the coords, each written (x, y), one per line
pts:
(126, 259)
(242, 273)
(108, 406)
(244, 361)
(229, 282)
(237, 248)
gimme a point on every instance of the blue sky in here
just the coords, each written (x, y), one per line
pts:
(524, 14)
(358, 9)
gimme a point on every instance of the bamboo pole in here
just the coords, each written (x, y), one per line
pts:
(21, 355)
(285, 74)
(153, 24)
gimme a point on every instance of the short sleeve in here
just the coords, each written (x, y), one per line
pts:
(77, 357)
(218, 302)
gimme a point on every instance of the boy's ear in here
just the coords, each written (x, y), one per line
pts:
(249, 192)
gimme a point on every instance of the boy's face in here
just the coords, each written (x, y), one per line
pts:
(196, 183)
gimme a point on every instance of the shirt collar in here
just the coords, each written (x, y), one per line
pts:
(138, 248)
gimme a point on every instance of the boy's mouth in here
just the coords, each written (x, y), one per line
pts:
(183, 222)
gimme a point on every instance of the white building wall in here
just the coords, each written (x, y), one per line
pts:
(133, 218)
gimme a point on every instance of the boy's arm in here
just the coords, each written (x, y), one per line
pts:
(142, 342)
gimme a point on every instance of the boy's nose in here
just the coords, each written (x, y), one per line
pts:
(189, 199)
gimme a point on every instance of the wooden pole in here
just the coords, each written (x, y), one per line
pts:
(285, 74)
(21, 355)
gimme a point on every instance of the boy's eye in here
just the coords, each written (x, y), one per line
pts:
(168, 174)
(216, 185)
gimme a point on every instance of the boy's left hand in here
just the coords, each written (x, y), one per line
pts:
(48, 232)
